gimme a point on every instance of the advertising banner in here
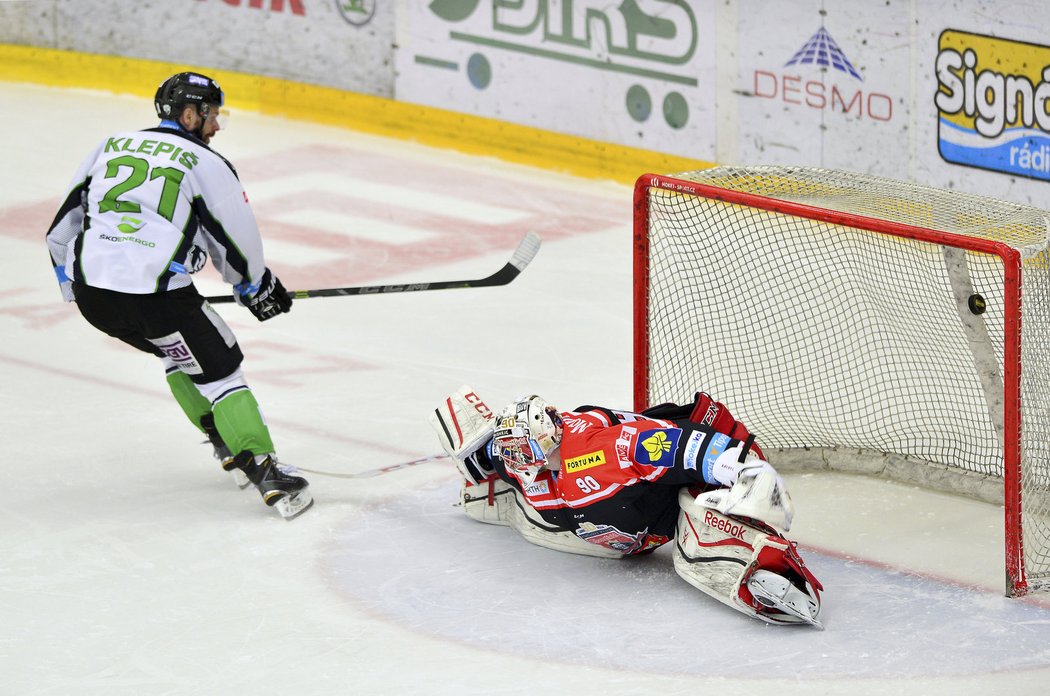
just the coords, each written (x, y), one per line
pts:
(347, 44)
(991, 104)
(983, 123)
(952, 93)
(638, 73)
(823, 84)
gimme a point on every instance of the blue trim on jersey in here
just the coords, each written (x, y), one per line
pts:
(691, 451)
(175, 267)
(718, 445)
(60, 273)
(175, 125)
(246, 289)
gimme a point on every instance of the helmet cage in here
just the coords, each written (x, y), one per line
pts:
(527, 434)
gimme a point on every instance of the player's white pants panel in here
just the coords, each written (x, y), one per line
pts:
(506, 506)
(220, 388)
(213, 391)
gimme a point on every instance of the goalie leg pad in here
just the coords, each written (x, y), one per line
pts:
(745, 565)
(712, 551)
(524, 519)
(494, 501)
(489, 501)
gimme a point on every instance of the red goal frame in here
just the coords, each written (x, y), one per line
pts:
(1016, 581)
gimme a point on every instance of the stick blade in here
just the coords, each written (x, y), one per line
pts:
(527, 249)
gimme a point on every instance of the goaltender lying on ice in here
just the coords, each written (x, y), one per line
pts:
(607, 483)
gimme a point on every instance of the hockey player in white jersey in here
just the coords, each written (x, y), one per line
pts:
(144, 211)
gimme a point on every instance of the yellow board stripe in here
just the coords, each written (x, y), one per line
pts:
(473, 135)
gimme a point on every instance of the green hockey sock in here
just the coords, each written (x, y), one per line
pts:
(241, 425)
(193, 404)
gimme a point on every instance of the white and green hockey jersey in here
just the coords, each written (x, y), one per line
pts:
(146, 209)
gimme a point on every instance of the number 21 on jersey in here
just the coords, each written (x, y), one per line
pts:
(139, 173)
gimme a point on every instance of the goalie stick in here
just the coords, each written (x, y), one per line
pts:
(522, 256)
(371, 473)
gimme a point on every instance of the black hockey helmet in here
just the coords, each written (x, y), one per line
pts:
(186, 88)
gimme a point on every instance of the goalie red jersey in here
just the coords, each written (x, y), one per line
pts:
(615, 476)
(602, 452)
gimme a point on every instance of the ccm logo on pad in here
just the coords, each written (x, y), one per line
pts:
(479, 405)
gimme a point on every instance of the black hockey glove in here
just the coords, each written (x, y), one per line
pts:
(271, 299)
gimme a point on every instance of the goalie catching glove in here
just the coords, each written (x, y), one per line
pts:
(464, 424)
(265, 300)
(754, 489)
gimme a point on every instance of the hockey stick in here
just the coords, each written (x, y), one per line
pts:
(523, 254)
(370, 473)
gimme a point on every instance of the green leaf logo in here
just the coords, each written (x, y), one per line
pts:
(130, 225)
(454, 10)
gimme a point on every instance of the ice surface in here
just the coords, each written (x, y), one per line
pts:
(133, 565)
(645, 614)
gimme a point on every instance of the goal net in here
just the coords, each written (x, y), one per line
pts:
(865, 323)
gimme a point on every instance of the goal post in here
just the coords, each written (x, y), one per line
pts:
(859, 323)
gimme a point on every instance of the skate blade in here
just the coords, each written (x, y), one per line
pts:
(240, 478)
(777, 592)
(290, 507)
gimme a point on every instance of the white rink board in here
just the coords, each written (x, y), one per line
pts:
(851, 115)
(320, 42)
(880, 117)
(639, 74)
(1014, 46)
(702, 79)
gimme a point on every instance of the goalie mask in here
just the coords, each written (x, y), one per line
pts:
(528, 433)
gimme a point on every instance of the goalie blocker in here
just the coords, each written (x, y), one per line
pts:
(464, 424)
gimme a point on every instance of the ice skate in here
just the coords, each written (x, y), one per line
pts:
(277, 484)
(777, 592)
